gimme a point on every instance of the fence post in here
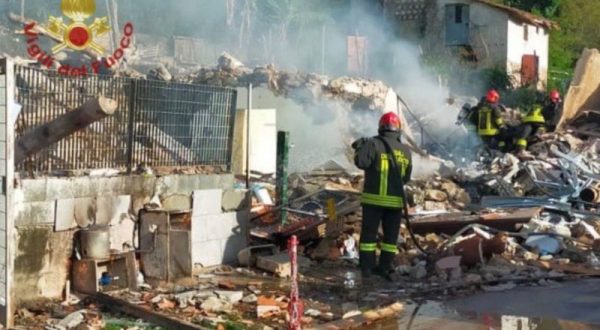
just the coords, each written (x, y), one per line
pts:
(130, 124)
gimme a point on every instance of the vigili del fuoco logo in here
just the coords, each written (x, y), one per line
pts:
(76, 35)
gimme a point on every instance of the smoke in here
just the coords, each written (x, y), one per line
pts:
(306, 35)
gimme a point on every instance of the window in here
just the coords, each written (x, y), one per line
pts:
(537, 30)
(526, 32)
(458, 14)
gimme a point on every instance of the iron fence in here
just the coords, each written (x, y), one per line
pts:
(157, 123)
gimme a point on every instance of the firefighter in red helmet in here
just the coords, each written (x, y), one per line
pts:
(388, 165)
(541, 118)
(491, 127)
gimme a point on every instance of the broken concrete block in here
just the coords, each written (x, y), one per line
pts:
(473, 278)
(280, 264)
(236, 200)
(448, 263)
(249, 299)
(434, 206)
(207, 202)
(232, 297)
(72, 320)
(436, 195)
(177, 203)
(450, 188)
(247, 257)
(418, 272)
(214, 305)
(265, 311)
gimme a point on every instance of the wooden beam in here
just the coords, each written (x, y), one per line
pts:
(145, 313)
(39, 138)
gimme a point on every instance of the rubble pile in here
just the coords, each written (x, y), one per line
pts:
(437, 194)
(305, 88)
(559, 169)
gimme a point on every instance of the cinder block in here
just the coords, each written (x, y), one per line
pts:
(207, 253)
(65, 215)
(177, 202)
(217, 226)
(207, 202)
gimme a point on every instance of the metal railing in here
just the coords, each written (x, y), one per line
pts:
(157, 123)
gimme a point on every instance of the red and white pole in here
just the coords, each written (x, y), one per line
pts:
(295, 309)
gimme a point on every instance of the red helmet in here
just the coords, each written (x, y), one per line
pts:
(555, 96)
(390, 122)
(492, 96)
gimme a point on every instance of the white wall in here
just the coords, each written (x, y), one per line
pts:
(488, 34)
(537, 44)
(488, 31)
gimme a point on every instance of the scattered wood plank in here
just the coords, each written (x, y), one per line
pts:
(450, 223)
(364, 319)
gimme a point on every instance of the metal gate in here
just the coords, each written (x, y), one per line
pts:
(157, 123)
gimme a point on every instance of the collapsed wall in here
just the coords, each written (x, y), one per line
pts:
(584, 92)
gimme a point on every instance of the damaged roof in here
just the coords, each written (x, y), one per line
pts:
(521, 15)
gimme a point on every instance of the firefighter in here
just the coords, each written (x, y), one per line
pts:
(540, 118)
(490, 122)
(388, 165)
(552, 110)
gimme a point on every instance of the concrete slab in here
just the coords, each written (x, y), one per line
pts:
(178, 202)
(85, 211)
(218, 226)
(207, 202)
(65, 215)
(207, 253)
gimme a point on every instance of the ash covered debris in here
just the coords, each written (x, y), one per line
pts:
(301, 87)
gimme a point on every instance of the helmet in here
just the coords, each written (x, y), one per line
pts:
(389, 122)
(555, 96)
(492, 96)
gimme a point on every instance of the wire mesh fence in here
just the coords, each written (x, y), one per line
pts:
(157, 123)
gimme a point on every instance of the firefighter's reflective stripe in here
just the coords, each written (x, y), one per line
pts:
(383, 175)
(535, 116)
(391, 248)
(367, 247)
(486, 126)
(385, 201)
(522, 143)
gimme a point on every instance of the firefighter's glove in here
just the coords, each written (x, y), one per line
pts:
(359, 143)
